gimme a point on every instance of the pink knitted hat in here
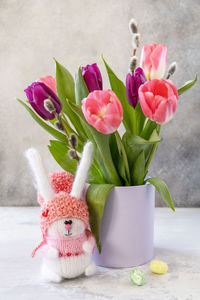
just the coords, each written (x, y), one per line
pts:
(64, 205)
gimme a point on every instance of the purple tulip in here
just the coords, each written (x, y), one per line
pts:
(37, 93)
(133, 82)
(92, 77)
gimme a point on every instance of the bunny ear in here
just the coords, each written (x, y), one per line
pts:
(82, 171)
(42, 181)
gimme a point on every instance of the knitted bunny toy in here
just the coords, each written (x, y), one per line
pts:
(67, 243)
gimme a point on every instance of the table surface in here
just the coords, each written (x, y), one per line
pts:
(177, 242)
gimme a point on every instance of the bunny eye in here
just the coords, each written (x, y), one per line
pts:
(68, 222)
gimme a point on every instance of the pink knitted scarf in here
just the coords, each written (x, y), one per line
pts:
(68, 246)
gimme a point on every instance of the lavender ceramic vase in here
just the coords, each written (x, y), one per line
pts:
(127, 227)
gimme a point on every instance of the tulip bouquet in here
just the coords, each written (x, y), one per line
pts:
(74, 111)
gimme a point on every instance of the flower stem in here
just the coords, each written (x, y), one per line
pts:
(123, 152)
(154, 148)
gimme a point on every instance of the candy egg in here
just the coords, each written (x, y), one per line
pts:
(137, 277)
(158, 266)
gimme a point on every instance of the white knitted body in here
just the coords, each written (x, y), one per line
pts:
(56, 268)
(70, 267)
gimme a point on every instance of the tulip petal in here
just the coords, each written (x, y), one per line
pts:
(173, 87)
(50, 82)
(92, 77)
(158, 99)
(98, 75)
(103, 110)
(146, 105)
(154, 61)
(133, 82)
(165, 112)
(158, 61)
(37, 93)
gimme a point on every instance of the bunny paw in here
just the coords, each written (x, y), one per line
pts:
(50, 276)
(52, 253)
(87, 247)
(91, 269)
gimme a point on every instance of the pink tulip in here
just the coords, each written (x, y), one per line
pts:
(154, 61)
(50, 82)
(103, 110)
(158, 99)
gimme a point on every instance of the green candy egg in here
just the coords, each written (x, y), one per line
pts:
(137, 277)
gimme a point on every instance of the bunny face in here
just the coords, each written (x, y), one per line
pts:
(66, 227)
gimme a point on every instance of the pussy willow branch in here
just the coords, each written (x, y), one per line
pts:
(134, 52)
(59, 118)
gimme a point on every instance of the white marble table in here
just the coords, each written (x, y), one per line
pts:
(177, 242)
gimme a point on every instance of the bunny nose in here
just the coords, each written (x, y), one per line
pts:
(68, 226)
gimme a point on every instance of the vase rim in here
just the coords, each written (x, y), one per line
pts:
(133, 186)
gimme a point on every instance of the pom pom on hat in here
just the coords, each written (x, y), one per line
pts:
(61, 181)
(63, 205)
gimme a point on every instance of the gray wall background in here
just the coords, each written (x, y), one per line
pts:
(76, 32)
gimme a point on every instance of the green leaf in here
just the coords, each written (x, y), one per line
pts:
(140, 118)
(122, 171)
(148, 129)
(119, 89)
(95, 174)
(56, 134)
(187, 86)
(123, 165)
(74, 119)
(67, 125)
(114, 149)
(96, 197)
(151, 149)
(135, 139)
(51, 121)
(102, 143)
(81, 90)
(64, 84)
(117, 158)
(162, 189)
(138, 172)
(134, 144)
(66, 90)
(59, 152)
(132, 149)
